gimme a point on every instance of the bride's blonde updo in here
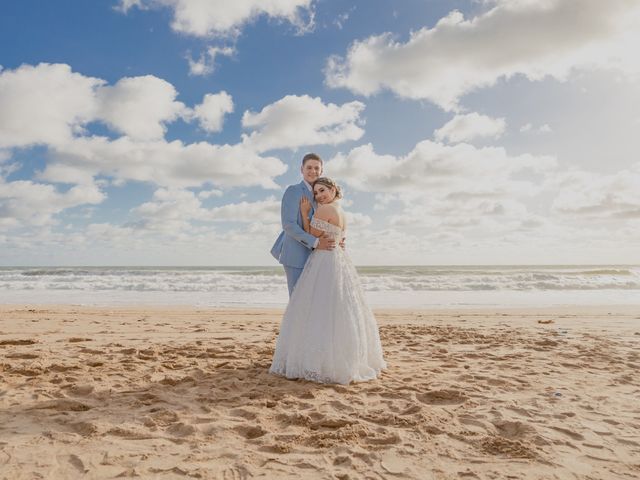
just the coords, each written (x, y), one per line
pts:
(327, 182)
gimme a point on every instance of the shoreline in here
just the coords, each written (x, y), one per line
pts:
(593, 313)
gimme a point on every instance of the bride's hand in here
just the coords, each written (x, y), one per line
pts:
(305, 206)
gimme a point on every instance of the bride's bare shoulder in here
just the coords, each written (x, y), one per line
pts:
(326, 208)
(328, 213)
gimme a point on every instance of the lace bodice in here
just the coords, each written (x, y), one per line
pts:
(331, 229)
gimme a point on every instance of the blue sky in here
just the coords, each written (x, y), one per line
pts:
(162, 132)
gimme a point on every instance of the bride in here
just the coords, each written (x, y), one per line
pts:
(328, 333)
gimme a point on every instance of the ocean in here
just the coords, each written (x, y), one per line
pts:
(393, 287)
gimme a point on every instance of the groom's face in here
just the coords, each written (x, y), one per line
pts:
(311, 170)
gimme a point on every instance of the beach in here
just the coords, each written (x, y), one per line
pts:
(184, 392)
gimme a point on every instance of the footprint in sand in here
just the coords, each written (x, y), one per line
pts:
(148, 354)
(513, 429)
(251, 432)
(91, 351)
(474, 424)
(341, 406)
(520, 411)
(342, 461)
(129, 433)
(626, 441)
(181, 430)
(74, 461)
(396, 465)
(62, 405)
(411, 410)
(62, 368)
(390, 439)
(568, 433)
(17, 342)
(80, 390)
(163, 417)
(331, 423)
(233, 473)
(85, 429)
(27, 372)
(25, 356)
(442, 397)
(241, 412)
(504, 446)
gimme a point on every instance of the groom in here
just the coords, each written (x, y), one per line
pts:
(293, 246)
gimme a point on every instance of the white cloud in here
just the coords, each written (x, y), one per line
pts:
(605, 197)
(51, 105)
(210, 113)
(262, 211)
(210, 193)
(342, 18)
(456, 56)
(118, 236)
(383, 200)
(6, 166)
(483, 200)
(469, 126)
(173, 210)
(209, 18)
(528, 127)
(459, 169)
(443, 213)
(169, 164)
(295, 121)
(483, 192)
(139, 106)
(170, 210)
(356, 220)
(125, 5)
(29, 203)
(206, 63)
(199, 67)
(43, 104)
(64, 173)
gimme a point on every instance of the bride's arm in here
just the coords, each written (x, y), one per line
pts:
(315, 232)
(306, 224)
(305, 209)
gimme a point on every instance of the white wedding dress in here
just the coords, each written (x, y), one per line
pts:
(328, 333)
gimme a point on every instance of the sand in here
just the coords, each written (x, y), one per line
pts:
(185, 393)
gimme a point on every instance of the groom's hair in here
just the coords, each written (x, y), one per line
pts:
(311, 156)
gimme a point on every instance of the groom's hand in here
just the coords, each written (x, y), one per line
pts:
(326, 243)
(342, 244)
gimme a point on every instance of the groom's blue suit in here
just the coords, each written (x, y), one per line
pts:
(293, 246)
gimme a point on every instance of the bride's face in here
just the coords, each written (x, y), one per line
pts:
(323, 194)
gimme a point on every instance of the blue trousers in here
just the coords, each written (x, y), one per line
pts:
(293, 274)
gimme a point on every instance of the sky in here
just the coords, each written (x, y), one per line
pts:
(164, 132)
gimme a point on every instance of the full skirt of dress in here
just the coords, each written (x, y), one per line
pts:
(328, 333)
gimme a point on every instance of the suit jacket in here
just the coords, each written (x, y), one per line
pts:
(293, 246)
